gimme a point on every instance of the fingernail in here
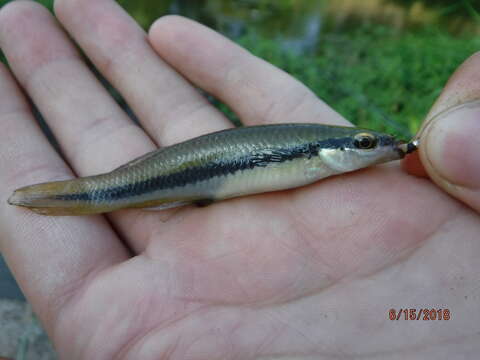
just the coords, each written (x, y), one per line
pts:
(453, 146)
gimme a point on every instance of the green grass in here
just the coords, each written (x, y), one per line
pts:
(375, 77)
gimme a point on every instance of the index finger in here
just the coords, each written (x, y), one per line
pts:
(52, 258)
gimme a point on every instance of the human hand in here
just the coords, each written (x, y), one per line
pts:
(307, 273)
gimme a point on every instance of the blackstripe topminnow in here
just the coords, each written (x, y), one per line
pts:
(221, 165)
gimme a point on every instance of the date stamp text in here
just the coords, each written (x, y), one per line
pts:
(419, 314)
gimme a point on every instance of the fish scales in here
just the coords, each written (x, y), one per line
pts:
(216, 166)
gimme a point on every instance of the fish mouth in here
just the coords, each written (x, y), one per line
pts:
(404, 148)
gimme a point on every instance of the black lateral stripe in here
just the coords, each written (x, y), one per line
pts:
(207, 171)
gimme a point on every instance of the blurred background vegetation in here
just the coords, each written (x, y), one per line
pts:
(380, 63)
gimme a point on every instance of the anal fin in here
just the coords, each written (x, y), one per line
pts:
(166, 206)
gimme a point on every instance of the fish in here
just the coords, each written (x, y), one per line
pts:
(217, 166)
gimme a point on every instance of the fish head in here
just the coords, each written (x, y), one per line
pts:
(360, 149)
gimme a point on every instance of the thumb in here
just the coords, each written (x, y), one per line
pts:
(450, 152)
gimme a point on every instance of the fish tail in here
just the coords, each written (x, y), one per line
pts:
(57, 198)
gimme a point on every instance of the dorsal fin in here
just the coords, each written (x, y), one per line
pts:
(138, 160)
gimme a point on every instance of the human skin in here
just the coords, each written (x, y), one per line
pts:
(309, 273)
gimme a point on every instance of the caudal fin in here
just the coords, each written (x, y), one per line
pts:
(54, 198)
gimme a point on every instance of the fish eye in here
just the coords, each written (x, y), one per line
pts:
(365, 141)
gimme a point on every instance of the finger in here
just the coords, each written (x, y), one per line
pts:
(256, 90)
(52, 258)
(449, 144)
(168, 107)
(94, 133)
(84, 117)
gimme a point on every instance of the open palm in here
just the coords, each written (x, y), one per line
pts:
(303, 274)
